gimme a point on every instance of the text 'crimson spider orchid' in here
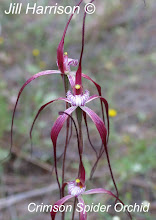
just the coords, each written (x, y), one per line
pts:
(76, 189)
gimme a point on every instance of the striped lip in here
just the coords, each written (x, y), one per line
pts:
(78, 100)
(75, 189)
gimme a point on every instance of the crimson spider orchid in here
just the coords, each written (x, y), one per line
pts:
(64, 64)
(77, 189)
(78, 100)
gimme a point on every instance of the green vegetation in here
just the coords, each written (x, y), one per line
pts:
(119, 54)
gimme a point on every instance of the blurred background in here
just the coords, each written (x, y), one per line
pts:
(120, 54)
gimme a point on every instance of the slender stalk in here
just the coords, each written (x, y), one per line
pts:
(86, 124)
(79, 150)
(71, 132)
(66, 86)
(81, 139)
(65, 152)
(95, 164)
(73, 215)
(79, 120)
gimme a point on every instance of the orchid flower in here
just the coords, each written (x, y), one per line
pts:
(77, 189)
(63, 63)
(78, 100)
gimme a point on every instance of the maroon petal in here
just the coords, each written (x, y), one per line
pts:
(47, 72)
(54, 135)
(106, 107)
(78, 78)
(103, 134)
(83, 214)
(96, 84)
(41, 109)
(60, 59)
(59, 124)
(57, 204)
(86, 124)
(98, 123)
(60, 49)
(107, 115)
(82, 172)
(100, 94)
(101, 190)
